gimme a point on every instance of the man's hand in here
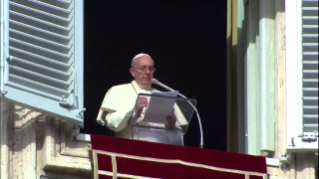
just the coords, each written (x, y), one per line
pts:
(141, 103)
(171, 120)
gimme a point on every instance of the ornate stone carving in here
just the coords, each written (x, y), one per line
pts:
(40, 145)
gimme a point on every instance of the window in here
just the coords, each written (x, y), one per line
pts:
(302, 74)
(42, 56)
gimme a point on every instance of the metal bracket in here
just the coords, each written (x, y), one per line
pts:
(309, 138)
(284, 159)
(3, 93)
(80, 113)
(68, 102)
(292, 142)
(9, 59)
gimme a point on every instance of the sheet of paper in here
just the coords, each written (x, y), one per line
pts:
(160, 105)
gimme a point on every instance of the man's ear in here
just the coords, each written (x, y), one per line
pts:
(132, 72)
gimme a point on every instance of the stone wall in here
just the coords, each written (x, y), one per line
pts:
(298, 165)
(39, 145)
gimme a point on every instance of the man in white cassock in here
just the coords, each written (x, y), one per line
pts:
(120, 107)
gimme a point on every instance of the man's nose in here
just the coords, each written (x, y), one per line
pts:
(147, 71)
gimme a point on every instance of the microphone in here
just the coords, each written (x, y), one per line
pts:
(156, 82)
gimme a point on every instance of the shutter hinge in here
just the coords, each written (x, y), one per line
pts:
(3, 92)
(67, 102)
(309, 138)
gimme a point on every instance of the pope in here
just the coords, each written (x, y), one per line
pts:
(120, 106)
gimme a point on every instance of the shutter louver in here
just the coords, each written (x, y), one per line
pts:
(310, 66)
(43, 65)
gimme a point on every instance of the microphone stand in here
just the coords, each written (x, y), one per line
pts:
(201, 145)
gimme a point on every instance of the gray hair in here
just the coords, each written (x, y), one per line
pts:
(137, 57)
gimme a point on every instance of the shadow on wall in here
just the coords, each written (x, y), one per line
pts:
(248, 34)
(316, 172)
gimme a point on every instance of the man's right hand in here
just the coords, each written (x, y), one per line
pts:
(141, 103)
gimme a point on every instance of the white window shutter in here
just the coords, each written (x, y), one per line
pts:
(302, 74)
(310, 70)
(44, 58)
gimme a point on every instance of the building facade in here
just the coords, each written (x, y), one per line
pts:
(272, 87)
(273, 84)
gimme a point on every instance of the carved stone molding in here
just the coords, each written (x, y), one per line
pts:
(5, 136)
(69, 146)
(61, 152)
(34, 145)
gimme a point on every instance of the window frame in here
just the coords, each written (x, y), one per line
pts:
(294, 79)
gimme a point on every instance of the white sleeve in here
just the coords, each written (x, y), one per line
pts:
(113, 113)
(117, 121)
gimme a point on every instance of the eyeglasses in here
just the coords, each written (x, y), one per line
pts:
(144, 69)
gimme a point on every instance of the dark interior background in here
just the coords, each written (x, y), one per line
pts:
(187, 40)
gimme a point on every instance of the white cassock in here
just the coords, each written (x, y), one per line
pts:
(118, 106)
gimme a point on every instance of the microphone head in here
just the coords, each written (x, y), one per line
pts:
(154, 81)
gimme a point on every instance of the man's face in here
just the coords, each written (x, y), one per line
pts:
(143, 71)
